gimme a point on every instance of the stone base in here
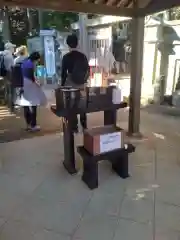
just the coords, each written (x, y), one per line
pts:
(137, 136)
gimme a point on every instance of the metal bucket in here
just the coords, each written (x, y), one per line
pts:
(67, 98)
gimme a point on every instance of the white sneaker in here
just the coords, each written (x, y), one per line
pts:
(35, 129)
(28, 128)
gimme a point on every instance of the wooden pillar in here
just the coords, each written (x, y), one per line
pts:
(83, 34)
(136, 74)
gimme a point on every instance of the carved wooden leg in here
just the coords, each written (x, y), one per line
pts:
(69, 155)
(121, 166)
(90, 173)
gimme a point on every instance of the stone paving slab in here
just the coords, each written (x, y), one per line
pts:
(20, 230)
(39, 200)
(127, 229)
(101, 227)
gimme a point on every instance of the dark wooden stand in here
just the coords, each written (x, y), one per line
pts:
(68, 134)
(118, 159)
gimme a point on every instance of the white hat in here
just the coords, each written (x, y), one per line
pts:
(9, 45)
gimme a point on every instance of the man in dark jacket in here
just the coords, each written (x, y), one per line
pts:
(68, 64)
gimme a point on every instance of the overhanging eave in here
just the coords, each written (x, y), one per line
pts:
(71, 6)
(157, 6)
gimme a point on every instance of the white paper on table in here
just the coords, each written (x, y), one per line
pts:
(97, 79)
(110, 142)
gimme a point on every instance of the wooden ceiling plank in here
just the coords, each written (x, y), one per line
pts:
(110, 2)
(131, 5)
(71, 6)
(122, 3)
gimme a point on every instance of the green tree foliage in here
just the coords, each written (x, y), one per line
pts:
(175, 13)
(170, 14)
(58, 20)
(19, 25)
(23, 23)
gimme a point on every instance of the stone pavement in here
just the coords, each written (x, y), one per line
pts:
(12, 125)
(39, 200)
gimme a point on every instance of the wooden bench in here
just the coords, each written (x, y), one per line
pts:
(118, 159)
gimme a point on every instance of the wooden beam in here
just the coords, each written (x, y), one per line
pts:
(136, 75)
(144, 3)
(99, 1)
(70, 6)
(157, 6)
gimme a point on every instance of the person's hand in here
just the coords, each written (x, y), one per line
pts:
(38, 83)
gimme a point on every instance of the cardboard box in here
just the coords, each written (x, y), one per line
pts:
(103, 139)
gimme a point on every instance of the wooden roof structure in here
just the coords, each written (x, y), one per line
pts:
(128, 8)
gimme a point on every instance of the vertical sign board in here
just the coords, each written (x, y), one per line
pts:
(49, 51)
(83, 37)
(49, 56)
